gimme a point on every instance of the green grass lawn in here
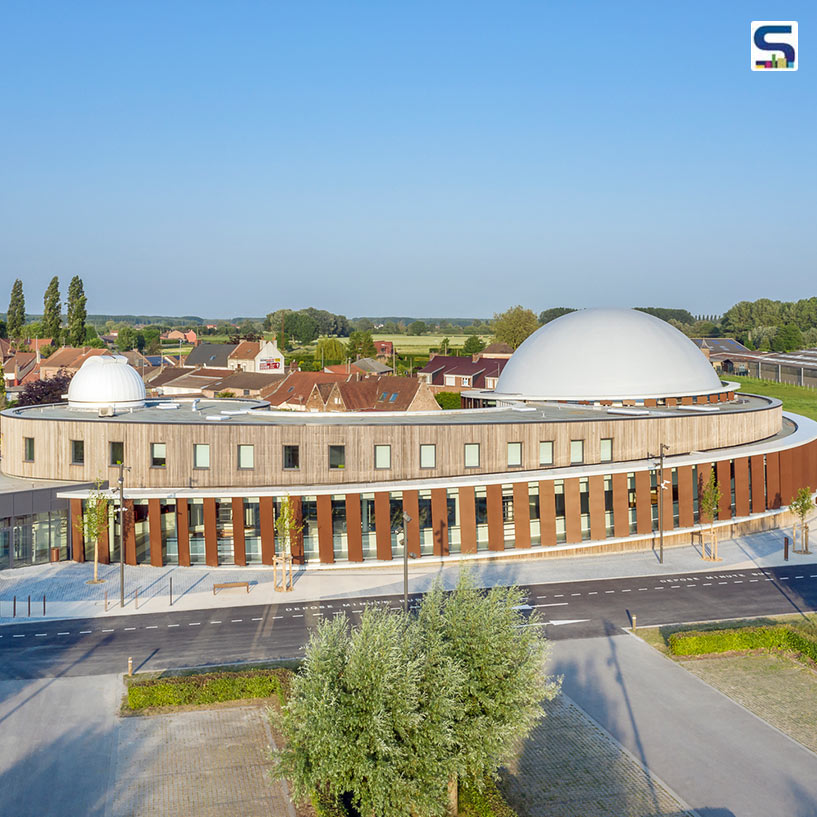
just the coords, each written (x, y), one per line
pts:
(420, 344)
(795, 398)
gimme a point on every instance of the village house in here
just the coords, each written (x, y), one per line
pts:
(256, 356)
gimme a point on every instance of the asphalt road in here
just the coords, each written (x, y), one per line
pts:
(216, 636)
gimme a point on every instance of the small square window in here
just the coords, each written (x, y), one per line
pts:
(201, 455)
(337, 457)
(514, 455)
(576, 451)
(246, 456)
(116, 453)
(472, 455)
(428, 455)
(606, 452)
(77, 452)
(292, 458)
(382, 456)
(28, 445)
(158, 455)
(546, 452)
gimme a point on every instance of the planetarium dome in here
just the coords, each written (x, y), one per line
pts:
(106, 380)
(607, 354)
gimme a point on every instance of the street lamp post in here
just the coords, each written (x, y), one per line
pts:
(661, 488)
(406, 520)
(121, 482)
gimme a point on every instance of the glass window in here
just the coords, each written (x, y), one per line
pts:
(292, 458)
(576, 451)
(546, 452)
(472, 455)
(116, 453)
(606, 451)
(514, 455)
(158, 455)
(246, 456)
(201, 455)
(337, 456)
(382, 456)
(77, 452)
(28, 443)
(428, 456)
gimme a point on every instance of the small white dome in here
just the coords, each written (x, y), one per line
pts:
(607, 354)
(106, 380)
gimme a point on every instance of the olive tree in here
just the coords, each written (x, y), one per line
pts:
(95, 522)
(710, 500)
(801, 506)
(287, 525)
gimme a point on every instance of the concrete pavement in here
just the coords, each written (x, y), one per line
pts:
(716, 755)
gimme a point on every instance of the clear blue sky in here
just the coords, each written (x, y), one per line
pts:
(440, 158)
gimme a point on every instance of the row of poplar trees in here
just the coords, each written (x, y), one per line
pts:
(51, 326)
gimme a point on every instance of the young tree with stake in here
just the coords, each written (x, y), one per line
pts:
(801, 506)
(710, 501)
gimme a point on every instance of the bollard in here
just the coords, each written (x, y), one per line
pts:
(43, 603)
(136, 597)
(14, 608)
(171, 591)
(130, 667)
(785, 548)
(634, 623)
(29, 607)
(106, 601)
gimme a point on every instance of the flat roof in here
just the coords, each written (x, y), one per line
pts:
(234, 411)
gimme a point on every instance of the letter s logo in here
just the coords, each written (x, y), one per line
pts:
(774, 45)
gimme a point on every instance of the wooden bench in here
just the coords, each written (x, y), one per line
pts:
(223, 585)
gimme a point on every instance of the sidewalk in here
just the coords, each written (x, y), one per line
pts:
(68, 595)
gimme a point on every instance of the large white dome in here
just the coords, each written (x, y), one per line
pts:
(607, 354)
(106, 380)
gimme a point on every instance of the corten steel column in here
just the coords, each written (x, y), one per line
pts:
(468, 519)
(406, 521)
(643, 502)
(296, 544)
(811, 465)
(496, 527)
(547, 512)
(411, 508)
(787, 476)
(621, 506)
(266, 513)
(183, 532)
(382, 525)
(104, 546)
(772, 480)
(521, 514)
(129, 531)
(724, 478)
(742, 486)
(239, 542)
(439, 521)
(686, 496)
(758, 483)
(354, 528)
(325, 545)
(125, 537)
(573, 511)
(210, 532)
(598, 524)
(77, 536)
(155, 532)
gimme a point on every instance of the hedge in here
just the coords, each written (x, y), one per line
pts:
(777, 637)
(486, 803)
(208, 688)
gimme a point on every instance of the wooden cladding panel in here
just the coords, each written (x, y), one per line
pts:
(573, 517)
(468, 520)
(742, 486)
(354, 528)
(266, 513)
(155, 532)
(382, 523)
(239, 542)
(496, 527)
(439, 521)
(325, 546)
(686, 495)
(183, 532)
(521, 514)
(547, 513)
(598, 526)
(210, 532)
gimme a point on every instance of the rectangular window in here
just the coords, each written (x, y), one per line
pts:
(514, 455)
(292, 458)
(201, 455)
(576, 451)
(158, 455)
(472, 455)
(337, 456)
(246, 456)
(382, 456)
(606, 450)
(77, 452)
(117, 453)
(546, 452)
(28, 445)
(428, 456)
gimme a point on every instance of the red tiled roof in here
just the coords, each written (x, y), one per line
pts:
(246, 350)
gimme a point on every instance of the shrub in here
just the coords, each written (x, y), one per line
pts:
(487, 802)
(778, 637)
(195, 690)
(448, 400)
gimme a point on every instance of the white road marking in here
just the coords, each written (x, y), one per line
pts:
(84, 632)
(609, 591)
(215, 622)
(152, 627)
(569, 621)
(629, 590)
(799, 577)
(107, 631)
(193, 623)
(723, 582)
(642, 588)
(277, 616)
(708, 584)
(753, 580)
(63, 633)
(558, 595)
(256, 619)
(674, 586)
(784, 578)
(768, 580)
(236, 620)
(664, 588)
(553, 604)
(40, 635)
(129, 628)
(172, 625)
(575, 594)
(19, 635)
(738, 581)
(298, 615)
(591, 593)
